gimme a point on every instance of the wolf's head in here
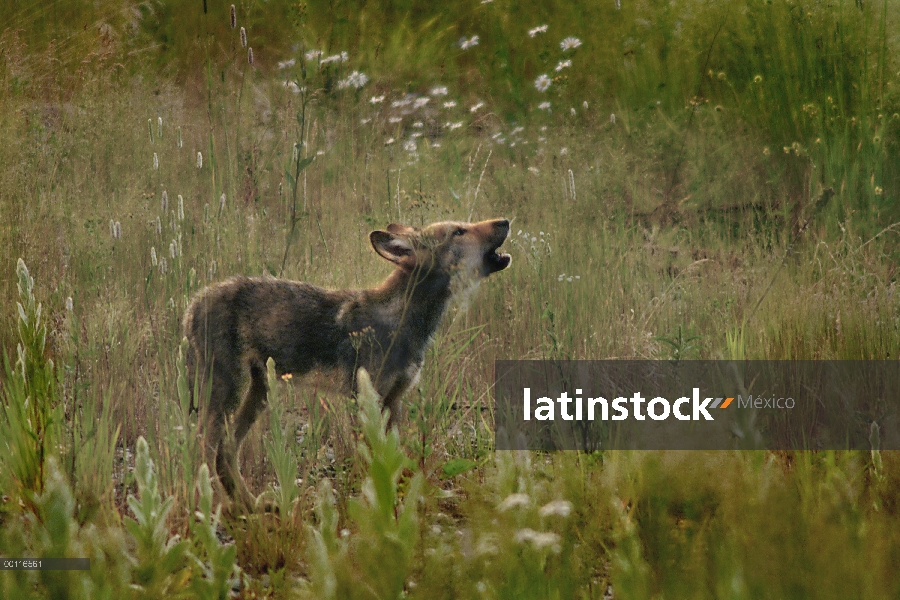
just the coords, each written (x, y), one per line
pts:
(466, 250)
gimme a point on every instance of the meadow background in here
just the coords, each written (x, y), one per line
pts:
(663, 171)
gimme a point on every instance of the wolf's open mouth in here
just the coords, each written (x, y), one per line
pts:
(497, 261)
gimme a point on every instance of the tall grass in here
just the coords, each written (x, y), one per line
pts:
(653, 203)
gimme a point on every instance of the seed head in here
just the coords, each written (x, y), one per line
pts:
(250, 55)
(179, 138)
(69, 305)
(155, 162)
(159, 127)
(153, 260)
(243, 37)
(199, 160)
(233, 17)
(165, 201)
(180, 208)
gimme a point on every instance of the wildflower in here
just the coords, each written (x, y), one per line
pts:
(539, 539)
(514, 501)
(250, 56)
(721, 76)
(563, 64)
(476, 107)
(394, 119)
(155, 161)
(243, 37)
(452, 126)
(533, 170)
(313, 54)
(410, 146)
(439, 91)
(570, 43)
(355, 79)
(585, 105)
(344, 56)
(419, 125)
(465, 44)
(69, 305)
(180, 208)
(758, 79)
(420, 102)
(537, 30)
(389, 142)
(556, 508)
(563, 151)
(544, 106)
(449, 104)
(286, 64)
(165, 201)
(878, 190)
(766, 151)
(405, 101)
(542, 83)
(572, 111)
(376, 99)
(199, 160)
(612, 118)
(233, 17)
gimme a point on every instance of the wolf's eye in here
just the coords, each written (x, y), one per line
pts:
(460, 231)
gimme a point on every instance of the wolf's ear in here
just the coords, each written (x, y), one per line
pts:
(398, 229)
(396, 249)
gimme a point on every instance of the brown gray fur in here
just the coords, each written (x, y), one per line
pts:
(233, 328)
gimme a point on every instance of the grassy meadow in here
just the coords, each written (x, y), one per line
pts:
(668, 168)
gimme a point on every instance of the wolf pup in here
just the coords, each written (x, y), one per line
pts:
(234, 327)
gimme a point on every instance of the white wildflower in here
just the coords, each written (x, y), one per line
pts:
(476, 108)
(537, 30)
(420, 102)
(563, 64)
(376, 99)
(544, 106)
(449, 104)
(452, 126)
(556, 508)
(355, 80)
(465, 44)
(542, 83)
(514, 501)
(539, 539)
(570, 43)
(439, 90)
(313, 54)
(287, 64)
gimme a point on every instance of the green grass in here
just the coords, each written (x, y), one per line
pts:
(654, 234)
